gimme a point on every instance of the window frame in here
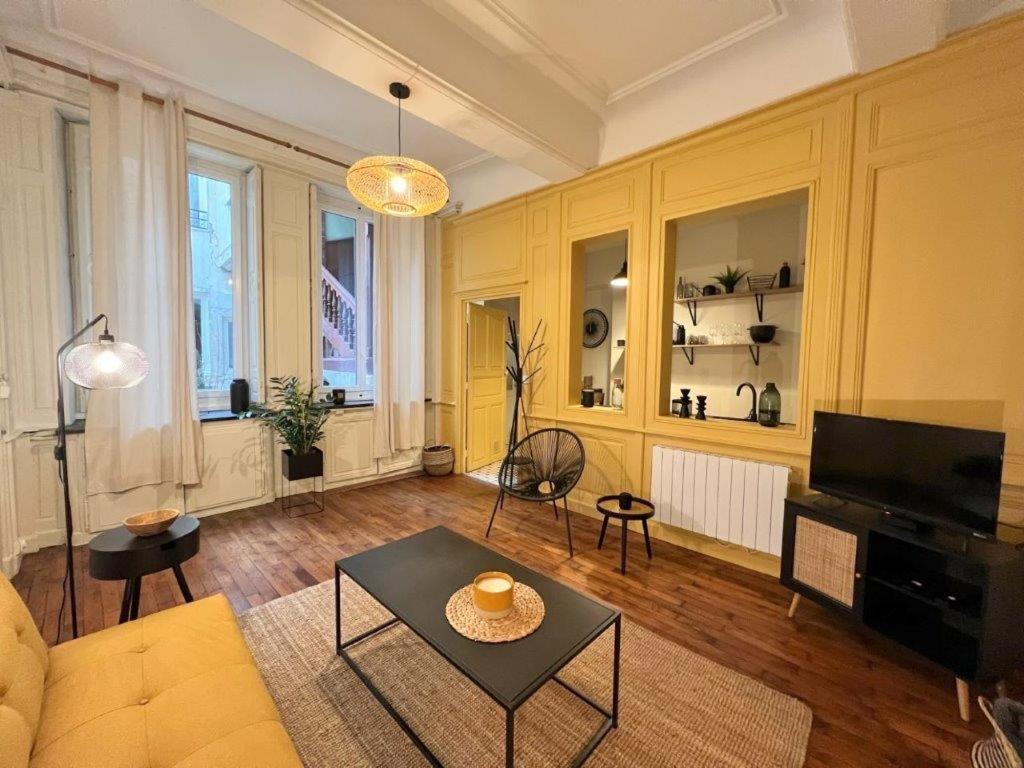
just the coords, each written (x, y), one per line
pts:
(242, 312)
(362, 392)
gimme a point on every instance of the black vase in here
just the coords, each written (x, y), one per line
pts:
(302, 467)
(239, 396)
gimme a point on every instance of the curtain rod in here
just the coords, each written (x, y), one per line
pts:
(157, 100)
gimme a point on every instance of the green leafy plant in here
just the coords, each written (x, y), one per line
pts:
(292, 411)
(730, 278)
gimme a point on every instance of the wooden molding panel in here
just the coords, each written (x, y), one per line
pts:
(234, 466)
(771, 150)
(956, 97)
(542, 302)
(287, 261)
(491, 250)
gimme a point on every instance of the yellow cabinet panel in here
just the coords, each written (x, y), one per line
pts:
(490, 250)
(738, 158)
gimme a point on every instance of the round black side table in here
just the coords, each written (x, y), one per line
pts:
(641, 510)
(119, 554)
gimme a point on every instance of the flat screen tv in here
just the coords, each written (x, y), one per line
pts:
(937, 475)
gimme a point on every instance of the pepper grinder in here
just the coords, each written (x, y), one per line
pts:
(702, 404)
(685, 410)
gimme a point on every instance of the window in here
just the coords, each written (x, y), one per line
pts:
(220, 280)
(346, 299)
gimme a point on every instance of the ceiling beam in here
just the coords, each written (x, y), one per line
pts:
(458, 84)
(882, 32)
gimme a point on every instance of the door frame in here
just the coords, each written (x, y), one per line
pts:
(514, 291)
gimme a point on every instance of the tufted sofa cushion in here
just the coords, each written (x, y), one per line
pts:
(177, 689)
(23, 664)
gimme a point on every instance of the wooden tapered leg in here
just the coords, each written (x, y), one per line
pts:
(963, 699)
(793, 605)
(647, 540)
(604, 529)
(568, 528)
(500, 501)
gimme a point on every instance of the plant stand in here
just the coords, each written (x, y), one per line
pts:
(294, 468)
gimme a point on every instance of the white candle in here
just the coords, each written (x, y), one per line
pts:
(493, 584)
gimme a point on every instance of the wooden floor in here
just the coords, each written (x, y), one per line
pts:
(874, 703)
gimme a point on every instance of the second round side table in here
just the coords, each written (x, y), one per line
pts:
(641, 510)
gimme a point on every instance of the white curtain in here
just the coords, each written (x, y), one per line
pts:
(398, 335)
(142, 280)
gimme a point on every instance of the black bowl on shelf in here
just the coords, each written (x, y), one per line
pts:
(762, 334)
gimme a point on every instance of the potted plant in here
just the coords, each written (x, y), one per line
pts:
(730, 278)
(298, 419)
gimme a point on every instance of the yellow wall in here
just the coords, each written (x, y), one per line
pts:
(914, 297)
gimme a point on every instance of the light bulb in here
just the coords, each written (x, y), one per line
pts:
(399, 184)
(107, 362)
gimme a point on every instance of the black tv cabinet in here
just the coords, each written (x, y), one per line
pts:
(954, 598)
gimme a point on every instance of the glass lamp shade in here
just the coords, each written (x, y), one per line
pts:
(621, 280)
(397, 186)
(106, 364)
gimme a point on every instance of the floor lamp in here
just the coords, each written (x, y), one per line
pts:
(103, 364)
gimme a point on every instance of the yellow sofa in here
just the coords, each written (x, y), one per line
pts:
(178, 688)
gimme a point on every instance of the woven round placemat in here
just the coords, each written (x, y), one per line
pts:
(527, 614)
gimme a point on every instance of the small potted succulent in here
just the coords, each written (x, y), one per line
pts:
(298, 419)
(730, 278)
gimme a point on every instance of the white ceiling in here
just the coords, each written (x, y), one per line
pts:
(507, 94)
(607, 49)
(184, 42)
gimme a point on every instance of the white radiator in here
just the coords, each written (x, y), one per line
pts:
(733, 500)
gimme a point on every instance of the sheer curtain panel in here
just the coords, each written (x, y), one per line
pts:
(398, 336)
(142, 280)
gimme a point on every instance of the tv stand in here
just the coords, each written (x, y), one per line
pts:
(958, 600)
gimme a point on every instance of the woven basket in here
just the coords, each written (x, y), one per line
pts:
(438, 460)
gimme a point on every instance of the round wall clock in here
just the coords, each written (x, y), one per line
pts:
(595, 328)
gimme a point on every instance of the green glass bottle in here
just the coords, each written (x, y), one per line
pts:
(769, 406)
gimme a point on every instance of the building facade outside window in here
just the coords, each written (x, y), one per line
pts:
(219, 279)
(345, 330)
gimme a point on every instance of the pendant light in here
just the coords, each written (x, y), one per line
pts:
(621, 280)
(397, 185)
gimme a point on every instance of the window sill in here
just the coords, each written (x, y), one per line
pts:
(226, 415)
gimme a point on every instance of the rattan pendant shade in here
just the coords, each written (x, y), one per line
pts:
(397, 185)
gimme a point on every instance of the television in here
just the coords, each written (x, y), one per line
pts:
(946, 476)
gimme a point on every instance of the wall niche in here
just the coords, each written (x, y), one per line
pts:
(714, 347)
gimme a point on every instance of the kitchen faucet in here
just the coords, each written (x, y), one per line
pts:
(752, 416)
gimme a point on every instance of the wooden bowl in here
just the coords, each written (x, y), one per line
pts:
(151, 523)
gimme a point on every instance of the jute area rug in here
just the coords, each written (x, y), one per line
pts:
(676, 707)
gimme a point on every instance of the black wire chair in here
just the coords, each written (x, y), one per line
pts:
(544, 466)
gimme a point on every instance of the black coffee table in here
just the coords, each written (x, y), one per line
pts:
(414, 577)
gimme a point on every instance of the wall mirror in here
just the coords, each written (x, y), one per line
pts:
(735, 281)
(600, 287)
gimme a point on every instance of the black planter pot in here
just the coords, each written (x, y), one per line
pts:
(302, 467)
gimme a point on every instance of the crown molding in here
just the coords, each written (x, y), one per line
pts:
(317, 11)
(475, 160)
(777, 14)
(594, 90)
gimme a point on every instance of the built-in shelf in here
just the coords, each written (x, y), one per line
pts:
(692, 302)
(755, 349)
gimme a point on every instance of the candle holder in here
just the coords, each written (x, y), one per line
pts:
(492, 594)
